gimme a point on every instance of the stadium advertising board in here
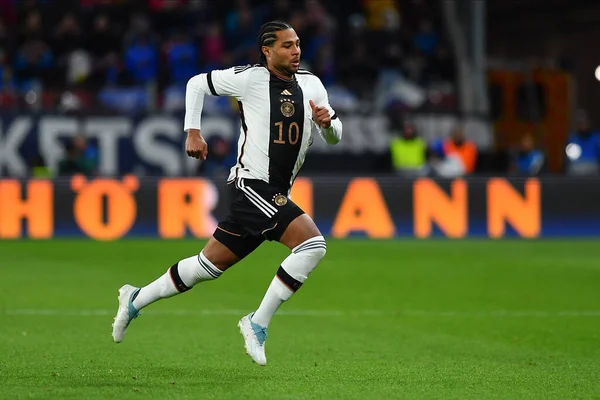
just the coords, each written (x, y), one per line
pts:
(171, 208)
(152, 144)
(146, 144)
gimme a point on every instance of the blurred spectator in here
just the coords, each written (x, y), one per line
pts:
(358, 71)
(241, 26)
(528, 160)
(357, 31)
(80, 158)
(409, 153)
(140, 26)
(67, 36)
(103, 45)
(39, 169)
(442, 67)
(456, 155)
(317, 32)
(102, 40)
(182, 58)
(213, 47)
(377, 10)
(221, 157)
(298, 20)
(325, 66)
(4, 72)
(141, 60)
(426, 40)
(68, 44)
(583, 148)
(389, 55)
(33, 65)
(79, 66)
(33, 60)
(33, 29)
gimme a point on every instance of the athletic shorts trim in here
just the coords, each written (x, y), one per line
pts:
(254, 217)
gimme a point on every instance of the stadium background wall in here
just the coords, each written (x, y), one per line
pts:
(376, 207)
(152, 144)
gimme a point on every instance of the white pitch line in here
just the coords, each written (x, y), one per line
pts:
(315, 313)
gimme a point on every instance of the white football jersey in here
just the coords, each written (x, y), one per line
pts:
(276, 119)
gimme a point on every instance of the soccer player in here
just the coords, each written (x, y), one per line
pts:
(280, 106)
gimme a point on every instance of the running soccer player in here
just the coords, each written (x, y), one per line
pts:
(280, 105)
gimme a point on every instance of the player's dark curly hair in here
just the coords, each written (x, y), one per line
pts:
(266, 37)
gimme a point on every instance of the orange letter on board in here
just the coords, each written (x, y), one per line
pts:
(186, 203)
(505, 204)
(363, 209)
(302, 195)
(120, 204)
(431, 204)
(36, 208)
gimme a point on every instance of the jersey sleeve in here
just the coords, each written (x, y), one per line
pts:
(226, 82)
(333, 134)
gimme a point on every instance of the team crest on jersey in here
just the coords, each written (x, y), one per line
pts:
(287, 109)
(280, 200)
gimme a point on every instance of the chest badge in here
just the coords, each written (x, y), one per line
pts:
(280, 200)
(287, 109)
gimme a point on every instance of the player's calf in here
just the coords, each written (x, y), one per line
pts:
(180, 278)
(292, 273)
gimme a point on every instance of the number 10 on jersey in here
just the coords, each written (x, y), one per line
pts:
(293, 133)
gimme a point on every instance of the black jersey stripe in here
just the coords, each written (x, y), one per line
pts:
(245, 128)
(210, 84)
(237, 70)
(287, 130)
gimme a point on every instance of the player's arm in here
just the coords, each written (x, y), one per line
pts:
(330, 126)
(228, 82)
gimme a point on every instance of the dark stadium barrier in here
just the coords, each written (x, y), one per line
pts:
(170, 208)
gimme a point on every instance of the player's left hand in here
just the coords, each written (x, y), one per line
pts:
(320, 115)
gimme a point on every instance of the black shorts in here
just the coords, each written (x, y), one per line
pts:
(257, 212)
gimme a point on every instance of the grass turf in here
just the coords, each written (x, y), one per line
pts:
(377, 319)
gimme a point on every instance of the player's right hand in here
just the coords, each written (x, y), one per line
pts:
(320, 115)
(195, 145)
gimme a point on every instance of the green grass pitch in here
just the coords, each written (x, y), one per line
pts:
(410, 319)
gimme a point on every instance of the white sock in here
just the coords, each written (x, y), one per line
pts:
(180, 278)
(276, 294)
(291, 275)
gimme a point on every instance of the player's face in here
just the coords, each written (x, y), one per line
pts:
(285, 54)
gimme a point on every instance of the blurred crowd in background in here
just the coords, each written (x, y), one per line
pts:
(455, 156)
(127, 56)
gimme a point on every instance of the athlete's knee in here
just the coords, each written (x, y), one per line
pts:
(304, 259)
(218, 254)
(192, 270)
(314, 248)
(208, 269)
